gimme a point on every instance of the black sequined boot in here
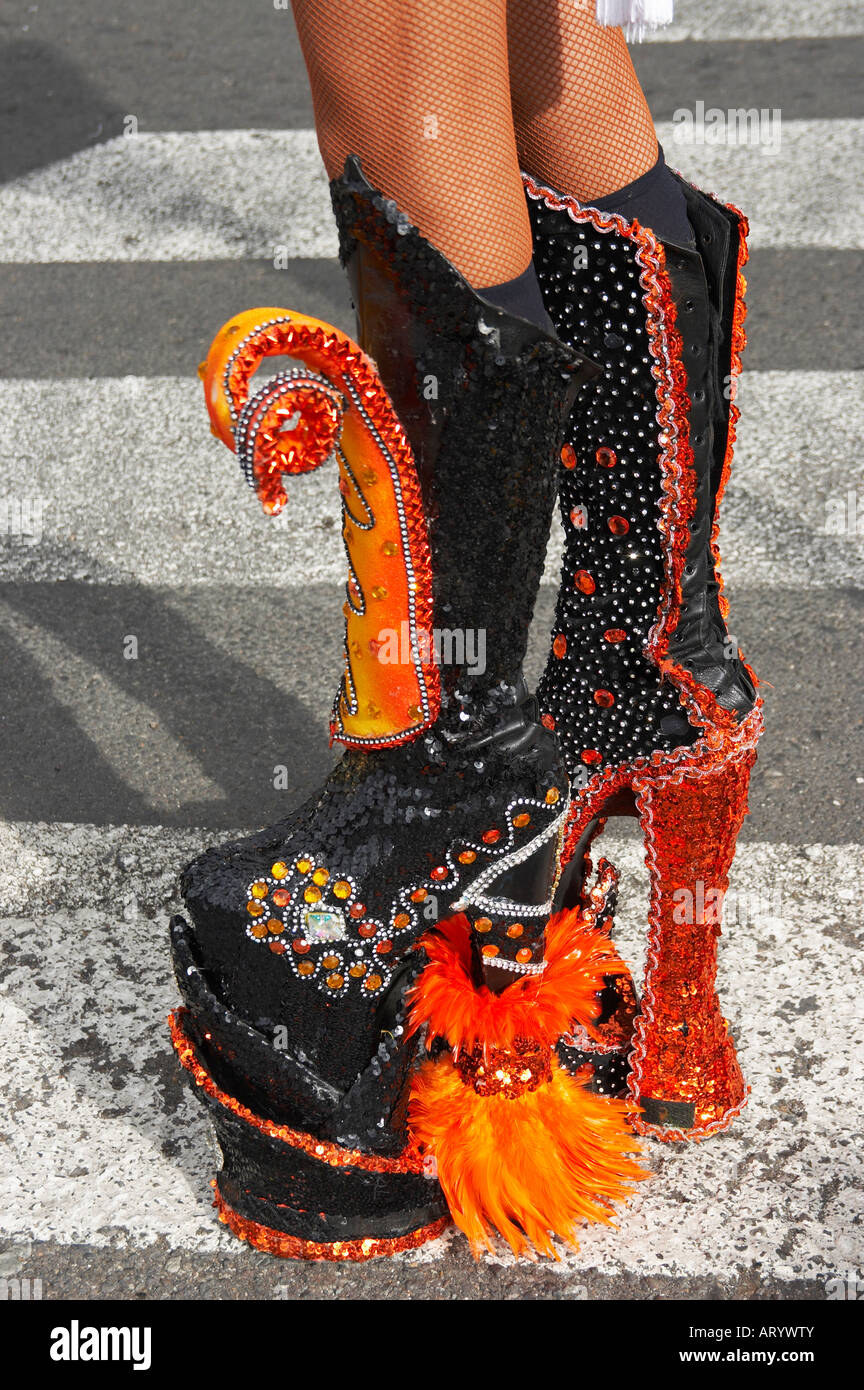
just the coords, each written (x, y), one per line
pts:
(654, 708)
(451, 797)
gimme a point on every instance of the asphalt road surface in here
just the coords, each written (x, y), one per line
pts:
(154, 158)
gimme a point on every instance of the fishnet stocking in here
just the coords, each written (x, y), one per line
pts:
(582, 122)
(419, 89)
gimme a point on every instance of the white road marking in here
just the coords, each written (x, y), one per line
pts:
(210, 195)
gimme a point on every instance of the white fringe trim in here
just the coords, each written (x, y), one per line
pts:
(635, 17)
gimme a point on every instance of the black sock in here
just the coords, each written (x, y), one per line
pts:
(521, 296)
(654, 199)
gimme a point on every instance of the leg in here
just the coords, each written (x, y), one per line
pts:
(420, 93)
(582, 122)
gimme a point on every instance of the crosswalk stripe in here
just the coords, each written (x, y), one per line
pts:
(117, 480)
(109, 1149)
(207, 195)
(770, 19)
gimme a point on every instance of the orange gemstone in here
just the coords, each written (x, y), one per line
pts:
(374, 982)
(402, 919)
(415, 713)
(254, 908)
(312, 894)
(584, 582)
(590, 756)
(552, 796)
(614, 634)
(274, 926)
(378, 591)
(320, 877)
(559, 646)
(259, 889)
(419, 895)
(279, 869)
(303, 866)
(356, 909)
(604, 698)
(330, 962)
(383, 948)
(467, 856)
(258, 929)
(516, 929)
(341, 888)
(607, 458)
(366, 929)
(281, 897)
(524, 955)
(305, 968)
(568, 456)
(357, 971)
(548, 723)
(618, 525)
(389, 548)
(439, 872)
(483, 924)
(335, 981)
(491, 837)
(300, 946)
(523, 817)
(277, 947)
(490, 951)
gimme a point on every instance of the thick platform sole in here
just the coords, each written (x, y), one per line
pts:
(296, 1196)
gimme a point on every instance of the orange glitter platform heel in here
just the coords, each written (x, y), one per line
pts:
(684, 1071)
(654, 708)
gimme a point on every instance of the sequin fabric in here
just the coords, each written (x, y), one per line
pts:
(508, 1072)
(303, 938)
(641, 685)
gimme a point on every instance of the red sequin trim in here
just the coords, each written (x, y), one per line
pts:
(293, 1248)
(409, 1161)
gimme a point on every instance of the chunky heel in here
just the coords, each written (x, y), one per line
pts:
(685, 1078)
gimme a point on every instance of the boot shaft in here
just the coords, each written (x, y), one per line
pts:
(641, 474)
(483, 397)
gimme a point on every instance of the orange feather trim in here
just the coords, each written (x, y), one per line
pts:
(521, 1145)
(541, 1007)
(531, 1166)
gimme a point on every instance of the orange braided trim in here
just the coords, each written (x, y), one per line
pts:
(409, 1161)
(537, 1007)
(293, 1248)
